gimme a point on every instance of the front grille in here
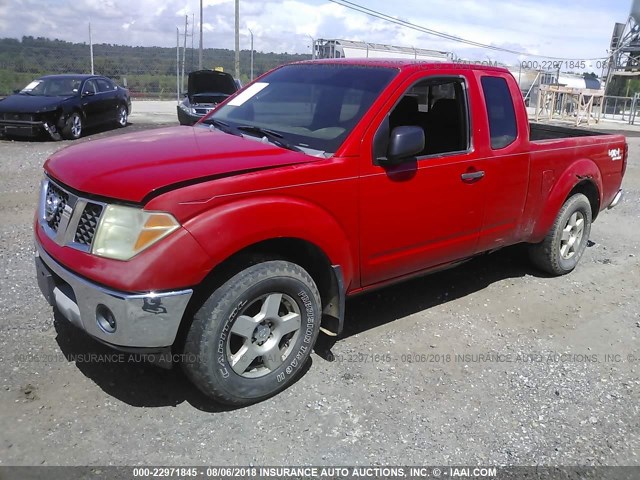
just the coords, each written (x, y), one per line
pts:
(69, 220)
(56, 202)
(88, 223)
(21, 117)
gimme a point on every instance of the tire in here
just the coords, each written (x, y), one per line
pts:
(72, 129)
(122, 116)
(562, 248)
(247, 316)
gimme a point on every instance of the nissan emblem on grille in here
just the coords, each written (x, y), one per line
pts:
(54, 206)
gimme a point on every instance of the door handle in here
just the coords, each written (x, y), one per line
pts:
(470, 176)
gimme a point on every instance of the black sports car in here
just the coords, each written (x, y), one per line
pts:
(63, 105)
(206, 89)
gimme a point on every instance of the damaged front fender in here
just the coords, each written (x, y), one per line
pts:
(52, 130)
(54, 125)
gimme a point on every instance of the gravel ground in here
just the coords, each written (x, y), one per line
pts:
(489, 363)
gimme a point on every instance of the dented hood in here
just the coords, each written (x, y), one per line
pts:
(133, 166)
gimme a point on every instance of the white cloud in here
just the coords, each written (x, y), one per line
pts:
(574, 29)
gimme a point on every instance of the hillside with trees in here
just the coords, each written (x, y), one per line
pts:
(146, 71)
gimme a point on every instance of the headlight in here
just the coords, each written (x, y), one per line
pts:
(187, 108)
(126, 231)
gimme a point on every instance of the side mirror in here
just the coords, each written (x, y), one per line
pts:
(17, 90)
(87, 93)
(405, 143)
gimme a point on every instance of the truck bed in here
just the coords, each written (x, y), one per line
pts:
(538, 131)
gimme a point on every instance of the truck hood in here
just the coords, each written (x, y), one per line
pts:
(133, 166)
(20, 103)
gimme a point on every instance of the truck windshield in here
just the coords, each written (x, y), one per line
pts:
(312, 107)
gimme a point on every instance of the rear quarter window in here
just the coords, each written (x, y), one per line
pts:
(500, 112)
(105, 85)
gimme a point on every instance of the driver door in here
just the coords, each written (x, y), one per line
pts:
(427, 210)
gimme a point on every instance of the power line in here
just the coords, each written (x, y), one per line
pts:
(454, 38)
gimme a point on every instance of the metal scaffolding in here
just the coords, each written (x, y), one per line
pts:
(565, 103)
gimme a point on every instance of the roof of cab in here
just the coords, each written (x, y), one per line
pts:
(405, 64)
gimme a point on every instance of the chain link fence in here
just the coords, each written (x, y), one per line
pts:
(148, 72)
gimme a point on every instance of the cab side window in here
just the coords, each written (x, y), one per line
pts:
(500, 111)
(439, 107)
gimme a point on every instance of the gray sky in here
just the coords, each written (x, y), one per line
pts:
(574, 29)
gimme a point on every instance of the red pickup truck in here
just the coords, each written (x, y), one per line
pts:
(232, 243)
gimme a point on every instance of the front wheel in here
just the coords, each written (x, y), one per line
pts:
(72, 129)
(562, 248)
(254, 334)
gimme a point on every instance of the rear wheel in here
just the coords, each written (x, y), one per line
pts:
(72, 129)
(562, 248)
(253, 336)
(122, 116)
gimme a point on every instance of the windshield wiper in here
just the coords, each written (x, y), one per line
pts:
(275, 137)
(220, 125)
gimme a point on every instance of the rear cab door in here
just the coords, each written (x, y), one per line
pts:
(503, 142)
(99, 100)
(427, 211)
(108, 93)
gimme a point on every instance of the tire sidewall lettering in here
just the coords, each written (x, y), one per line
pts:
(307, 334)
(221, 348)
(296, 359)
(209, 335)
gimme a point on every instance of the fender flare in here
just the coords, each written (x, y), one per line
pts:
(229, 228)
(577, 172)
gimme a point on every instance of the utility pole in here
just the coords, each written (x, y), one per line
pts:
(237, 62)
(184, 49)
(91, 49)
(178, 63)
(193, 24)
(251, 33)
(200, 53)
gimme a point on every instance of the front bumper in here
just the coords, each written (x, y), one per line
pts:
(22, 128)
(147, 321)
(186, 118)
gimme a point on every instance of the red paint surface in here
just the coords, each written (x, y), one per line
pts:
(378, 224)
